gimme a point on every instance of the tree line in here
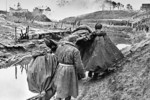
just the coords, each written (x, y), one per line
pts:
(117, 5)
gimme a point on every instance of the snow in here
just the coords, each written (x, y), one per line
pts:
(121, 46)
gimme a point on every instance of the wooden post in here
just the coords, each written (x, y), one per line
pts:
(15, 34)
(27, 29)
(61, 25)
(28, 33)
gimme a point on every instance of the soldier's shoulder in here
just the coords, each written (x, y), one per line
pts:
(76, 50)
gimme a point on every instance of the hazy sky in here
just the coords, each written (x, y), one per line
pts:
(76, 7)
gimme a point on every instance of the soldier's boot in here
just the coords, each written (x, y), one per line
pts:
(95, 76)
(68, 98)
(58, 99)
(90, 74)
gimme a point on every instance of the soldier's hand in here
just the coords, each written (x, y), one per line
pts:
(82, 75)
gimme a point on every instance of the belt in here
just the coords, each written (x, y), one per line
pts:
(61, 64)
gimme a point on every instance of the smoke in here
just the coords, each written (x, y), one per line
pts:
(67, 8)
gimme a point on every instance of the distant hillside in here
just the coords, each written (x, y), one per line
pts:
(27, 16)
(114, 14)
(42, 18)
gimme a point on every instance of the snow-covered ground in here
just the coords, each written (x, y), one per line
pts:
(121, 46)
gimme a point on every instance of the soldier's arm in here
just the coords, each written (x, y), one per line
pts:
(82, 28)
(102, 33)
(78, 63)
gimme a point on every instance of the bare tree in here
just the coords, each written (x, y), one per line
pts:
(62, 3)
(114, 4)
(103, 6)
(109, 2)
(129, 7)
(118, 5)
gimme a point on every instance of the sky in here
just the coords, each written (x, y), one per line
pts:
(73, 8)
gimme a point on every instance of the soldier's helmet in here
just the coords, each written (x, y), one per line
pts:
(98, 26)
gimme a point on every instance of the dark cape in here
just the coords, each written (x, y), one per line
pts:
(98, 52)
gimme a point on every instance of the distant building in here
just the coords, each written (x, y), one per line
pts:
(41, 10)
(18, 10)
(12, 11)
(145, 7)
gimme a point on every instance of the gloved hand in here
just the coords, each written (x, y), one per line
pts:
(80, 76)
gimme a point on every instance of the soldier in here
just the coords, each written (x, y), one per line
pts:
(43, 66)
(98, 52)
(70, 66)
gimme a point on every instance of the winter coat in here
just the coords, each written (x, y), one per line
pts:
(70, 65)
(41, 73)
